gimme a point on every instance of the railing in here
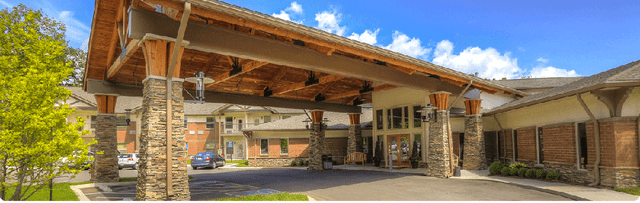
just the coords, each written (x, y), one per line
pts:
(236, 128)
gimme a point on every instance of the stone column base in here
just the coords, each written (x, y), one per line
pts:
(438, 162)
(354, 140)
(316, 147)
(474, 149)
(105, 166)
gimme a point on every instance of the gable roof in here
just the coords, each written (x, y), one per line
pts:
(122, 103)
(534, 83)
(337, 121)
(613, 77)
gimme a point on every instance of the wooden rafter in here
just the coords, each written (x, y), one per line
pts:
(302, 85)
(132, 47)
(357, 92)
(276, 78)
(325, 88)
(247, 66)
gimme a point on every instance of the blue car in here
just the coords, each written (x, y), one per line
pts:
(207, 159)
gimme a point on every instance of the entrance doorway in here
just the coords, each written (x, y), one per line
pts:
(399, 147)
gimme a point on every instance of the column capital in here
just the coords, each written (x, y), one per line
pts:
(440, 99)
(354, 118)
(106, 103)
(157, 53)
(473, 106)
(316, 115)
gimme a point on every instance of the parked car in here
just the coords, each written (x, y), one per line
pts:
(84, 165)
(207, 159)
(128, 161)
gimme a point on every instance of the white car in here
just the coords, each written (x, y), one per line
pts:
(128, 161)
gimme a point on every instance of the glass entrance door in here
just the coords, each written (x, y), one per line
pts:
(399, 148)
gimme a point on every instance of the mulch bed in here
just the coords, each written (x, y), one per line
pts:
(559, 181)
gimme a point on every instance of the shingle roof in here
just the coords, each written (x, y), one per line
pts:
(336, 121)
(532, 83)
(192, 109)
(625, 73)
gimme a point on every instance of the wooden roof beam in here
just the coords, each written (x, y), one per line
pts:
(324, 89)
(302, 85)
(131, 48)
(276, 78)
(247, 66)
(357, 92)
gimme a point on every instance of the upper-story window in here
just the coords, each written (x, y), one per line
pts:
(397, 118)
(185, 123)
(267, 119)
(211, 123)
(285, 117)
(389, 118)
(379, 118)
(228, 122)
(417, 122)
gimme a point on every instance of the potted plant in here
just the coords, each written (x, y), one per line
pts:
(415, 156)
(378, 154)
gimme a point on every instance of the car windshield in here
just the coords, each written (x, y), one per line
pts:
(203, 154)
(126, 156)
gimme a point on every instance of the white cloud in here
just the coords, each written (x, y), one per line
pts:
(367, 36)
(542, 60)
(489, 63)
(285, 14)
(77, 32)
(4, 3)
(550, 71)
(408, 46)
(329, 21)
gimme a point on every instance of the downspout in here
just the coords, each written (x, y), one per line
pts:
(453, 168)
(596, 129)
(638, 139)
(504, 134)
(172, 64)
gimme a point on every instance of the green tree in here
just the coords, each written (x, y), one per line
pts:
(78, 59)
(34, 133)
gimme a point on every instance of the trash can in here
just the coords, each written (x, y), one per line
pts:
(327, 162)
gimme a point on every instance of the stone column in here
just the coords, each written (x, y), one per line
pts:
(317, 145)
(354, 139)
(474, 149)
(105, 166)
(152, 172)
(439, 159)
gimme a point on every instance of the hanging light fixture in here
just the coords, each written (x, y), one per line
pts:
(128, 113)
(426, 113)
(200, 81)
(307, 121)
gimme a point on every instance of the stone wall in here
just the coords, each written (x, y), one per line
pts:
(474, 146)
(439, 158)
(354, 139)
(274, 162)
(105, 167)
(317, 147)
(152, 172)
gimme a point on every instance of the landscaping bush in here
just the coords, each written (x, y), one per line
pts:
(293, 163)
(513, 171)
(518, 165)
(522, 171)
(531, 173)
(552, 176)
(505, 171)
(540, 174)
(306, 163)
(495, 168)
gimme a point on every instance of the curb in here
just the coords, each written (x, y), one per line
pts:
(103, 186)
(553, 192)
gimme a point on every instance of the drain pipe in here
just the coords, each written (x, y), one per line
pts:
(504, 134)
(596, 129)
(453, 168)
(638, 138)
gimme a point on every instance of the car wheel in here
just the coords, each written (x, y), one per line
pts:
(194, 168)
(119, 168)
(214, 165)
(135, 167)
(223, 163)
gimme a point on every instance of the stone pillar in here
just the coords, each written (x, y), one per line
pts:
(439, 159)
(474, 149)
(152, 171)
(354, 139)
(317, 145)
(105, 166)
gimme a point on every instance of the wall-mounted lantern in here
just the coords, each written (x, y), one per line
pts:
(128, 113)
(426, 113)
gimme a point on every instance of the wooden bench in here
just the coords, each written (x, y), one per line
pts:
(356, 157)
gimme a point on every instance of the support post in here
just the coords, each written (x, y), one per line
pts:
(439, 160)
(355, 134)
(105, 167)
(474, 148)
(317, 145)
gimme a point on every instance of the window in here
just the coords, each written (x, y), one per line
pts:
(582, 145)
(256, 121)
(515, 144)
(211, 123)
(186, 125)
(264, 146)
(389, 119)
(397, 118)
(284, 146)
(499, 147)
(93, 121)
(405, 117)
(418, 138)
(379, 118)
(267, 119)
(132, 132)
(417, 122)
(540, 147)
(285, 117)
(228, 122)
(239, 124)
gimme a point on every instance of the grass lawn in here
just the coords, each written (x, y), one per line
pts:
(61, 192)
(631, 190)
(241, 163)
(271, 197)
(136, 179)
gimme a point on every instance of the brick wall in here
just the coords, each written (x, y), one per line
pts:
(506, 145)
(124, 137)
(298, 147)
(527, 144)
(337, 146)
(196, 142)
(618, 142)
(559, 142)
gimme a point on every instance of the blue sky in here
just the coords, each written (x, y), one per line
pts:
(494, 38)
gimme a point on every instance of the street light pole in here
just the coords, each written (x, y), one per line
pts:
(51, 180)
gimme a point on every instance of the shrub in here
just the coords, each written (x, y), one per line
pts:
(540, 173)
(495, 168)
(518, 165)
(505, 171)
(293, 163)
(552, 176)
(522, 171)
(513, 171)
(306, 163)
(531, 173)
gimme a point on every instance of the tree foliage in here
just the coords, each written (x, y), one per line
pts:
(34, 132)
